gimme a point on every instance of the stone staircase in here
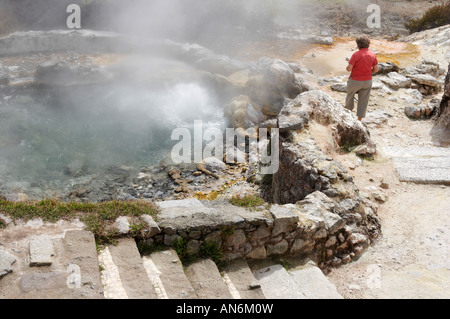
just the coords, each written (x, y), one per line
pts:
(70, 266)
(162, 275)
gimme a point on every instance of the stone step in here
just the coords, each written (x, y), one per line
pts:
(167, 273)
(277, 283)
(81, 256)
(314, 284)
(241, 281)
(207, 281)
(126, 261)
(423, 165)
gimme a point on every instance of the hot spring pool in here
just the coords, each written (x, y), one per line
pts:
(52, 141)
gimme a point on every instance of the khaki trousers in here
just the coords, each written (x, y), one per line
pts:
(362, 88)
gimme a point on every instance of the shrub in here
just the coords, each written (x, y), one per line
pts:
(434, 17)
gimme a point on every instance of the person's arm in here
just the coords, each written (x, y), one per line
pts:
(375, 69)
(351, 63)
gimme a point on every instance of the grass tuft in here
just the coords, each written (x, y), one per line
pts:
(97, 217)
(247, 201)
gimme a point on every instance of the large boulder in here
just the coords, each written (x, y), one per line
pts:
(322, 108)
(271, 82)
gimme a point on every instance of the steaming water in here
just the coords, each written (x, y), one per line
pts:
(49, 140)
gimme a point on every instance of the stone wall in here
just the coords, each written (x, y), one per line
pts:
(317, 227)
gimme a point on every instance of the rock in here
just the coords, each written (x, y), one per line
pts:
(184, 203)
(284, 217)
(387, 67)
(6, 262)
(413, 112)
(214, 165)
(19, 197)
(365, 150)
(59, 73)
(193, 247)
(302, 245)
(257, 253)
(242, 114)
(319, 205)
(415, 94)
(44, 282)
(377, 118)
(326, 111)
(277, 249)
(357, 238)
(169, 240)
(339, 87)
(122, 224)
(395, 80)
(42, 252)
(425, 79)
(233, 155)
(236, 239)
(152, 227)
(293, 116)
(170, 230)
(272, 81)
(304, 169)
(384, 185)
(423, 165)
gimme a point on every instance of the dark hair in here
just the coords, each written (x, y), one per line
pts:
(363, 42)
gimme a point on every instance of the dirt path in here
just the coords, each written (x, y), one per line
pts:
(411, 259)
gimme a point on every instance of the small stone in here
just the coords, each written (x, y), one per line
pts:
(169, 230)
(357, 238)
(6, 262)
(41, 252)
(171, 239)
(19, 197)
(257, 253)
(122, 224)
(152, 227)
(278, 249)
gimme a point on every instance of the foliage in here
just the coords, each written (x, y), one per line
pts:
(211, 249)
(434, 17)
(247, 201)
(97, 217)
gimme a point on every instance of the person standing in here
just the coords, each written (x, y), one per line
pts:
(362, 65)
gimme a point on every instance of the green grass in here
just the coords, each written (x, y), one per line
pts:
(180, 246)
(434, 17)
(247, 201)
(97, 217)
(211, 249)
